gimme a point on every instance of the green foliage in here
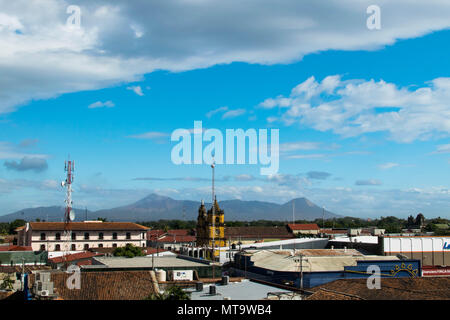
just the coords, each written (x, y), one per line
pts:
(4, 228)
(102, 219)
(15, 224)
(171, 293)
(129, 251)
(7, 283)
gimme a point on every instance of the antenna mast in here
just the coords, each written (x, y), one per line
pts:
(213, 165)
(69, 216)
(293, 211)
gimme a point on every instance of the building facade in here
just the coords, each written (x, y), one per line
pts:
(49, 236)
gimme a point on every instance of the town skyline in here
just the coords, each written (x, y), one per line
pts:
(363, 121)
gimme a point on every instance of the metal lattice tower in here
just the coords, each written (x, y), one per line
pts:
(69, 216)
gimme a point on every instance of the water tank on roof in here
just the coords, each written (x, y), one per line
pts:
(212, 289)
(160, 275)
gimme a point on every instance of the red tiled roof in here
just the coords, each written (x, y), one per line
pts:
(257, 233)
(176, 239)
(111, 285)
(155, 250)
(75, 256)
(179, 232)
(329, 231)
(15, 248)
(393, 288)
(84, 226)
(303, 226)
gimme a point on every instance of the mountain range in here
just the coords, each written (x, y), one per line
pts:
(155, 207)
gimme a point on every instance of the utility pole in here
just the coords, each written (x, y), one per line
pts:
(323, 217)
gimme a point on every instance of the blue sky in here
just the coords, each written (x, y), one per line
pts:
(363, 116)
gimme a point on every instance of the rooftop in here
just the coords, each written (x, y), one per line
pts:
(303, 226)
(391, 289)
(257, 232)
(89, 225)
(315, 260)
(74, 257)
(243, 290)
(144, 262)
(117, 285)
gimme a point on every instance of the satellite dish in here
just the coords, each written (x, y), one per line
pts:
(63, 183)
(72, 215)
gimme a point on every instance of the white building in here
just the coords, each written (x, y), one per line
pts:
(49, 236)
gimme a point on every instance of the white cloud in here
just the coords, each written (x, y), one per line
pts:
(233, 113)
(11, 151)
(120, 42)
(300, 145)
(370, 182)
(443, 148)
(354, 107)
(388, 165)
(152, 135)
(99, 104)
(215, 111)
(136, 89)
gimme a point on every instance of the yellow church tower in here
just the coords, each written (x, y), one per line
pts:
(211, 226)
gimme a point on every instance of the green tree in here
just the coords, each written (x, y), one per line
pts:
(15, 224)
(171, 293)
(129, 251)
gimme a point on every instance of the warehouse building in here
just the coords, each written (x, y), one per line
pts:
(318, 266)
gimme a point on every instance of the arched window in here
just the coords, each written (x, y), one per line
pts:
(42, 236)
(100, 235)
(74, 236)
(128, 235)
(58, 236)
(100, 245)
(86, 236)
(57, 247)
(114, 245)
(86, 246)
(73, 247)
(115, 235)
(42, 247)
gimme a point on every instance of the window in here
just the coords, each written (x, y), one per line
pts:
(86, 236)
(114, 245)
(128, 235)
(86, 246)
(74, 236)
(100, 235)
(73, 247)
(143, 245)
(115, 235)
(57, 247)
(100, 245)
(42, 247)
(58, 236)
(42, 236)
